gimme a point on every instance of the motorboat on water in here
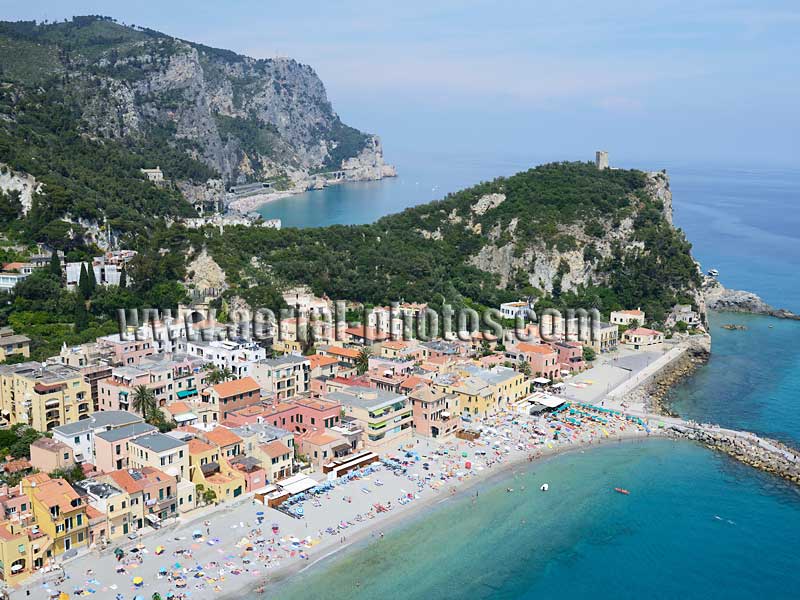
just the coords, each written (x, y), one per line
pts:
(622, 491)
(713, 272)
(545, 487)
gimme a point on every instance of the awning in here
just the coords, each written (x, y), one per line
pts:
(541, 380)
(185, 417)
(187, 393)
(547, 400)
(297, 484)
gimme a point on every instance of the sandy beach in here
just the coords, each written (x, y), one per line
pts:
(251, 203)
(247, 546)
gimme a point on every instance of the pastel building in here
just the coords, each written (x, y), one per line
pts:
(385, 417)
(542, 358)
(160, 451)
(283, 377)
(80, 436)
(230, 396)
(436, 414)
(111, 446)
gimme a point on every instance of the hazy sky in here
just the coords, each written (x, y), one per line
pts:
(713, 81)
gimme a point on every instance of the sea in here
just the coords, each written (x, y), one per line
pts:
(696, 524)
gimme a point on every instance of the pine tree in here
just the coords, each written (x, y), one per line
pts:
(83, 283)
(55, 265)
(92, 280)
(123, 279)
(81, 316)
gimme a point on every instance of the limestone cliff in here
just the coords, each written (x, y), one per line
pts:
(244, 119)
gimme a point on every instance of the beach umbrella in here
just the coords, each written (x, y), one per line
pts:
(162, 570)
(197, 533)
(176, 566)
(159, 549)
(260, 513)
(137, 581)
(63, 596)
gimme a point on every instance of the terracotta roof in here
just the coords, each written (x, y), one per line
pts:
(636, 312)
(237, 386)
(368, 333)
(534, 348)
(222, 436)
(57, 492)
(276, 449)
(146, 476)
(178, 408)
(92, 513)
(15, 466)
(199, 447)
(320, 438)
(339, 351)
(317, 360)
(412, 382)
(396, 345)
(642, 331)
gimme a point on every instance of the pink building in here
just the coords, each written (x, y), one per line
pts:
(304, 414)
(250, 468)
(435, 413)
(570, 356)
(541, 357)
(127, 352)
(111, 447)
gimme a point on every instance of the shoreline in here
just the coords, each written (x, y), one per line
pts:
(413, 512)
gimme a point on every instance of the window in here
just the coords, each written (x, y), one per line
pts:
(77, 439)
(66, 455)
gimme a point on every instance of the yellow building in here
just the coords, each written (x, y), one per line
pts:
(11, 343)
(483, 392)
(113, 503)
(59, 512)
(209, 469)
(21, 552)
(43, 397)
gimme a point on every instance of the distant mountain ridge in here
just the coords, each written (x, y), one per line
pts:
(199, 113)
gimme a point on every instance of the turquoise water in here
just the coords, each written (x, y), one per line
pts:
(582, 539)
(696, 525)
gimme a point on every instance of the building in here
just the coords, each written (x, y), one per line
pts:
(160, 451)
(680, 313)
(80, 435)
(303, 414)
(154, 175)
(13, 344)
(113, 505)
(229, 444)
(322, 366)
(17, 561)
(385, 417)
(345, 356)
(48, 455)
(570, 356)
(283, 377)
(229, 396)
(542, 358)
(277, 459)
(209, 468)
(520, 308)
(59, 511)
(627, 317)
(604, 337)
(9, 280)
(111, 450)
(365, 336)
(236, 356)
(320, 447)
(43, 397)
(642, 338)
(601, 160)
(481, 391)
(436, 414)
(153, 495)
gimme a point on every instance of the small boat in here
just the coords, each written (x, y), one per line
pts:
(713, 272)
(622, 491)
(545, 487)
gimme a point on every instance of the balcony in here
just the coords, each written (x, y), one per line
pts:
(52, 414)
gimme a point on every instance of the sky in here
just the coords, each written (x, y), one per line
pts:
(710, 81)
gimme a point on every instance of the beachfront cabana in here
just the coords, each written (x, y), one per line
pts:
(297, 484)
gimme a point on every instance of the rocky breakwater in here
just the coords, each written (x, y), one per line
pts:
(760, 453)
(720, 298)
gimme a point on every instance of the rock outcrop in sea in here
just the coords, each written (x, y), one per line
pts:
(720, 298)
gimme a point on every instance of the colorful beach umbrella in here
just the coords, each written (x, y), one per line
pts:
(137, 581)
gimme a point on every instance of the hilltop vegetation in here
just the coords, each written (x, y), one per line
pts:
(396, 258)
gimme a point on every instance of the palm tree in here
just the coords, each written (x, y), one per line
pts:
(362, 362)
(216, 375)
(144, 401)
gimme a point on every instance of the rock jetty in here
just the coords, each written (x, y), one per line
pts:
(758, 452)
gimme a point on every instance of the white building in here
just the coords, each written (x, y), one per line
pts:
(8, 281)
(238, 356)
(510, 310)
(626, 317)
(154, 175)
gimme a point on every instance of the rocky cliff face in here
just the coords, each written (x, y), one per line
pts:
(718, 297)
(246, 119)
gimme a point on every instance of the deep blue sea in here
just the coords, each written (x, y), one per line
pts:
(697, 524)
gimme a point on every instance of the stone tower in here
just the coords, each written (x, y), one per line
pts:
(601, 159)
